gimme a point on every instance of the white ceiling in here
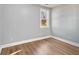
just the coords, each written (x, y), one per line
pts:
(50, 5)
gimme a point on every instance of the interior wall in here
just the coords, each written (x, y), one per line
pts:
(65, 22)
(0, 24)
(22, 22)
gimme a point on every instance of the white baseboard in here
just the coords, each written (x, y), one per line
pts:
(21, 42)
(66, 41)
(0, 49)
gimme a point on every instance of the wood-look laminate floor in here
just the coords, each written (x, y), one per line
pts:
(49, 46)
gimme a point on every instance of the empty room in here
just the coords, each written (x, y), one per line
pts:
(39, 29)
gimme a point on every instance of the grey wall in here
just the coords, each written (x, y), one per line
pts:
(22, 22)
(65, 22)
(0, 24)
